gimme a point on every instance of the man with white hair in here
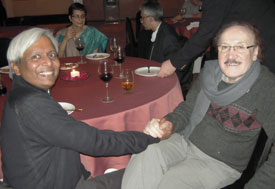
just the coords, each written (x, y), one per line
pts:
(164, 41)
(215, 130)
(40, 143)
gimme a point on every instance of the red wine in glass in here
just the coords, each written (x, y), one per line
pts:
(106, 77)
(80, 44)
(105, 72)
(200, 8)
(120, 60)
(80, 48)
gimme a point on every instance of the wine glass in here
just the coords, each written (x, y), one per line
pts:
(113, 42)
(128, 80)
(80, 44)
(105, 72)
(119, 58)
(200, 8)
(182, 12)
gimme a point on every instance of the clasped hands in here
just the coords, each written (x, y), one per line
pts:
(161, 128)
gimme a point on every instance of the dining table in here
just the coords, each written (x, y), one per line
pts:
(151, 97)
(187, 27)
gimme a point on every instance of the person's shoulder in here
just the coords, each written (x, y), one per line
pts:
(167, 29)
(62, 31)
(91, 29)
(22, 97)
(267, 75)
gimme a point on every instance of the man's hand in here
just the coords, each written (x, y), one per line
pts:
(167, 128)
(166, 69)
(159, 128)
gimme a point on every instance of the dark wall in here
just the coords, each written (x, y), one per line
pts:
(129, 8)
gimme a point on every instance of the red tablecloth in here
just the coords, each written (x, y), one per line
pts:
(151, 97)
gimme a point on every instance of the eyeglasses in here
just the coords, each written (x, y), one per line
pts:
(142, 18)
(238, 48)
(79, 16)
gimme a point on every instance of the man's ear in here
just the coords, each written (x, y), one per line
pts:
(255, 53)
(70, 18)
(15, 68)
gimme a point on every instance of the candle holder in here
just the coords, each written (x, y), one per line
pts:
(74, 73)
(82, 76)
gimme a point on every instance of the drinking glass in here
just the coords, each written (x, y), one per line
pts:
(127, 82)
(200, 8)
(80, 44)
(105, 72)
(182, 12)
(113, 42)
(119, 58)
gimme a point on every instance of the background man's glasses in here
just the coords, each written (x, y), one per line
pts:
(142, 18)
(237, 48)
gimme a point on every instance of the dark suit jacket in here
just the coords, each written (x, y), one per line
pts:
(165, 45)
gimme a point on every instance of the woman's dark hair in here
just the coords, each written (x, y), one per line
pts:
(77, 6)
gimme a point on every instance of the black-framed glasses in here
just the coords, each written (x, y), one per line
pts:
(142, 18)
(237, 48)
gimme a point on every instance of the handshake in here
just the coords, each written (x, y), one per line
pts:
(161, 128)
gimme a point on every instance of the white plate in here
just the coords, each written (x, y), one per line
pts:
(68, 66)
(5, 69)
(68, 107)
(143, 71)
(97, 56)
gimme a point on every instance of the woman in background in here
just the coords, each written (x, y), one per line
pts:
(95, 41)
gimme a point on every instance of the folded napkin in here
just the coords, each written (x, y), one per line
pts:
(193, 25)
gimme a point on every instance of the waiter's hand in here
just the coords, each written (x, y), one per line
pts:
(166, 69)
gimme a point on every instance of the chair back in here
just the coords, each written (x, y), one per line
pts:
(253, 163)
(131, 45)
(4, 45)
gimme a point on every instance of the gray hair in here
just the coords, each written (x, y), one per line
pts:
(152, 8)
(23, 41)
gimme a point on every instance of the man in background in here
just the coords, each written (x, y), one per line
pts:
(164, 41)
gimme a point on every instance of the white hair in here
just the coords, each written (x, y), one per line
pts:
(23, 41)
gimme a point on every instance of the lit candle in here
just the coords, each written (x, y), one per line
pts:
(75, 73)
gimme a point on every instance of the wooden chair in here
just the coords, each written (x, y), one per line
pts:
(4, 44)
(131, 45)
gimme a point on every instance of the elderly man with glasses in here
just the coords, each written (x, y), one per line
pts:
(211, 135)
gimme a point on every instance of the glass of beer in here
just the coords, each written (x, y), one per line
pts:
(127, 82)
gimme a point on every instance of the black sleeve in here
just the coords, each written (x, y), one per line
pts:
(214, 12)
(52, 126)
